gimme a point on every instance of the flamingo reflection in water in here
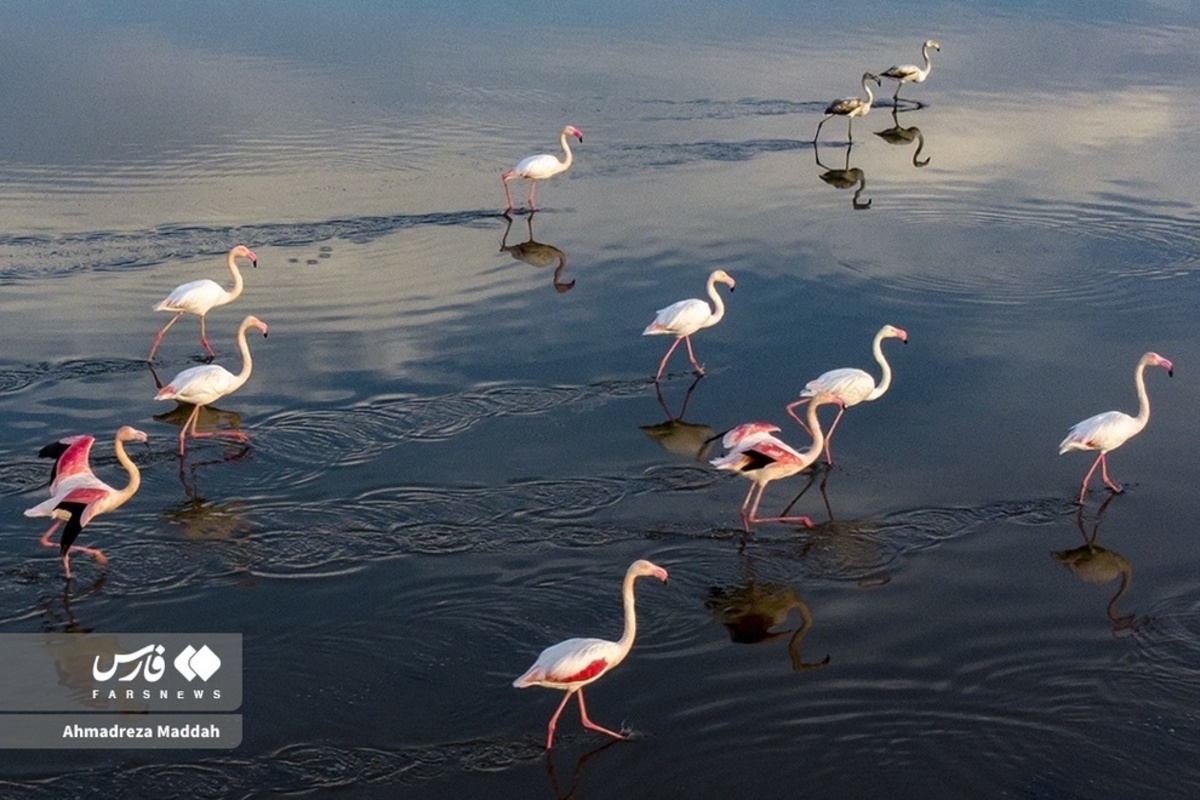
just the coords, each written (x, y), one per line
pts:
(851, 385)
(846, 178)
(1094, 564)
(752, 611)
(756, 454)
(850, 107)
(77, 495)
(901, 136)
(537, 254)
(1111, 429)
(675, 435)
(540, 167)
(573, 664)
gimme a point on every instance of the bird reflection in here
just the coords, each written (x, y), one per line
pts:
(899, 135)
(576, 773)
(691, 439)
(56, 609)
(752, 613)
(1092, 563)
(210, 418)
(536, 254)
(845, 178)
(202, 520)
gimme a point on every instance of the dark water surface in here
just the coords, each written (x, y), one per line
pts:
(455, 453)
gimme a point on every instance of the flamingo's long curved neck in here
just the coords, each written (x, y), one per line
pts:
(867, 88)
(814, 425)
(925, 55)
(885, 380)
(247, 363)
(135, 476)
(625, 643)
(237, 287)
(566, 163)
(718, 304)
(1139, 380)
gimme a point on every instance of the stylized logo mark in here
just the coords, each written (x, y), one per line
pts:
(193, 663)
(149, 657)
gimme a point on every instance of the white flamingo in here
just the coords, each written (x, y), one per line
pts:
(685, 317)
(911, 73)
(850, 107)
(575, 663)
(1110, 430)
(200, 297)
(850, 384)
(209, 382)
(540, 167)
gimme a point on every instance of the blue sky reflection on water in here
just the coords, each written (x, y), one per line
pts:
(450, 466)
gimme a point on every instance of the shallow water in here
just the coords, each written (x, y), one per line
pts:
(455, 453)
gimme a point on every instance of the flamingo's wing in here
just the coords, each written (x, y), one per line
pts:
(849, 384)
(734, 436)
(537, 167)
(196, 297)
(681, 318)
(201, 384)
(844, 105)
(574, 661)
(1103, 432)
(70, 459)
(901, 72)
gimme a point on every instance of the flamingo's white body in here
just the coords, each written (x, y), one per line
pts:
(911, 73)
(77, 495)
(850, 384)
(685, 317)
(200, 297)
(209, 382)
(756, 454)
(540, 167)
(1110, 430)
(573, 664)
(850, 107)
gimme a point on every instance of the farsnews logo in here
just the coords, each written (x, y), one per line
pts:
(148, 662)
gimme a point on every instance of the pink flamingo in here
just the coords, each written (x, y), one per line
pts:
(200, 297)
(850, 107)
(1110, 430)
(77, 495)
(208, 383)
(540, 167)
(685, 317)
(851, 385)
(574, 663)
(756, 454)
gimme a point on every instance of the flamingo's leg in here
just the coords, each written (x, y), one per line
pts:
(663, 364)
(587, 723)
(692, 356)
(1088, 477)
(829, 436)
(1104, 474)
(554, 720)
(191, 421)
(532, 186)
(159, 336)
(91, 551)
(507, 194)
(45, 540)
(204, 338)
(793, 415)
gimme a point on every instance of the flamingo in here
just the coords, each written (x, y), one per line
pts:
(573, 664)
(685, 317)
(1110, 430)
(755, 453)
(208, 383)
(77, 495)
(911, 73)
(851, 385)
(200, 297)
(850, 107)
(540, 167)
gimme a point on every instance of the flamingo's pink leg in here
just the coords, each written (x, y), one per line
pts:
(204, 338)
(1088, 477)
(663, 364)
(692, 356)
(829, 436)
(792, 413)
(66, 559)
(587, 723)
(805, 521)
(532, 186)
(45, 540)
(554, 720)
(91, 551)
(507, 192)
(191, 420)
(159, 337)
(1104, 474)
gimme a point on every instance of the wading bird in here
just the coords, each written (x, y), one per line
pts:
(756, 454)
(200, 297)
(911, 73)
(540, 167)
(1110, 430)
(77, 495)
(851, 385)
(573, 664)
(850, 107)
(208, 383)
(685, 317)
